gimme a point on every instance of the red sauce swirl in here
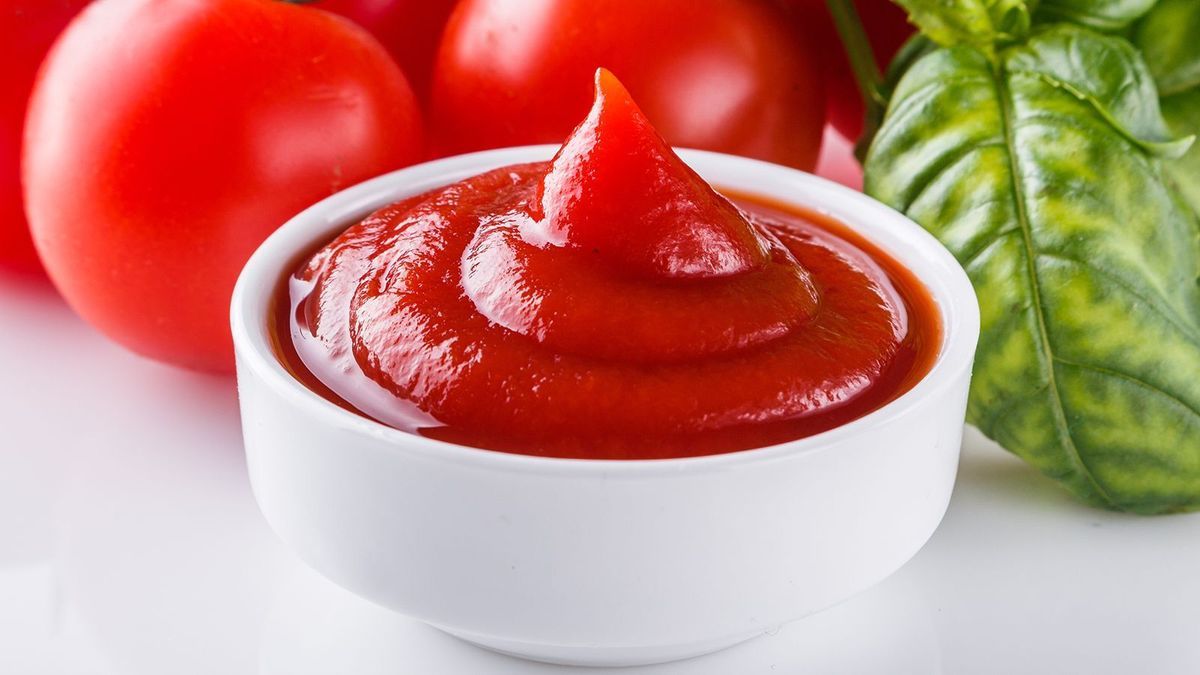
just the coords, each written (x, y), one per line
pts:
(607, 304)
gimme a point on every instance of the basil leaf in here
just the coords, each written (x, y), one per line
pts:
(1110, 76)
(1039, 177)
(1182, 112)
(978, 23)
(1103, 15)
(1169, 38)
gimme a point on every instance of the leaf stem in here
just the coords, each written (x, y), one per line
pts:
(858, 49)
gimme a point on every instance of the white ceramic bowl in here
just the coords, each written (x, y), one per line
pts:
(603, 562)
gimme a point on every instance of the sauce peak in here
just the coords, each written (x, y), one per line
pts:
(618, 190)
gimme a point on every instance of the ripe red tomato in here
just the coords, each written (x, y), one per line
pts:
(167, 138)
(27, 29)
(733, 75)
(887, 28)
(410, 29)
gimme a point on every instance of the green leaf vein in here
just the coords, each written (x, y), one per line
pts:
(1022, 215)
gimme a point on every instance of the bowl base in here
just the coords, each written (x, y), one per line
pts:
(597, 656)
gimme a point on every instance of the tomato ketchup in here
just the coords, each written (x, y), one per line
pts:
(608, 304)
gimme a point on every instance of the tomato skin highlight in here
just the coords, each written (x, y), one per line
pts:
(27, 30)
(736, 77)
(167, 138)
(409, 29)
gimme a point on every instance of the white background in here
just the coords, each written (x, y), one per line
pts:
(130, 544)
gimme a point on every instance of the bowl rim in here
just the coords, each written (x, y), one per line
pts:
(251, 305)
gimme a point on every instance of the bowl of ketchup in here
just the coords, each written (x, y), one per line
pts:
(604, 403)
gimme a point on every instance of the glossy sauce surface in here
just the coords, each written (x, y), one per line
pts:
(608, 304)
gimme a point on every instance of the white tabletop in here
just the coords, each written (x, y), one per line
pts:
(130, 544)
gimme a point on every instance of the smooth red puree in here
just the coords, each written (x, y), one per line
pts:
(608, 304)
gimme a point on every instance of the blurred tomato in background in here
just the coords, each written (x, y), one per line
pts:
(887, 28)
(409, 29)
(167, 138)
(27, 29)
(733, 76)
